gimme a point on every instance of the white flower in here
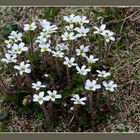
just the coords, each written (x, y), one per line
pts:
(44, 22)
(20, 48)
(39, 98)
(43, 37)
(77, 100)
(47, 27)
(53, 95)
(41, 40)
(13, 52)
(100, 30)
(29, 27)
(109, 86)
(9, 43)
(103, 74)
(70, 27)
(70, 19)
(82, 31)
(15, 36)
(50, 29)
(45, 47)
(38, 85)
(68, 36)
(108, 36)
(61, 47)
(70, 62)
(83, 70)
(91, 59)
(91, 85)
(9, 58)
(23, 68)
(58, 54)
(82, 50)
(81, 20)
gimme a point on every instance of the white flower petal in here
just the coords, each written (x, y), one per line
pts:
(41, 94)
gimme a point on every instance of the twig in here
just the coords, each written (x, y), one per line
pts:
(113, 21)
(71, 120)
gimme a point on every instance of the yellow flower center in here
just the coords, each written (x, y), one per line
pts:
(30, 27)
(53, 96)
(108, 86)
(69, 63)
(81, 51)
(44, 36)
(102, 74)
(37, 86)
(67, 37)
(107, 37)
(22, 69)
(49, 31)
(10, 42)
(40, 99)
(91, 87)
(57, 55)
(44, 49)
(81, 22)
(78, 102)
(19, 49)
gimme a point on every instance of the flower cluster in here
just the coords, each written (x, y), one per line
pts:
(40, 98)
(14, 46)
(93, 86)
(107, 34)
(76, 28)
(65, 50)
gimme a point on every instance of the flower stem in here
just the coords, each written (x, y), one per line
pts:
(76, 112)
(91, 104)
(49, 60)
(29, 79)
(70, 49)
(31, 43)
(84, 79)
(50, 105)
(100, 54)
(43, 58)
(107, 52)
(108, 101)
(100, 50)
(58, 68)
(68, 78)
(45, 112)
(16, 79)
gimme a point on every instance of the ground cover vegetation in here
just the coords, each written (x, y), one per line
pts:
(69, 69)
